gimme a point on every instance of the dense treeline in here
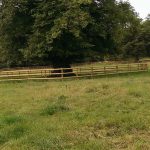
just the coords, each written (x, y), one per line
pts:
(61, 32)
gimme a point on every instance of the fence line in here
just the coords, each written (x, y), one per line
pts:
(76, 72)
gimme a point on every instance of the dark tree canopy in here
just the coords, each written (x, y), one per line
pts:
(137, 43)
(61, 32)
(16, 25)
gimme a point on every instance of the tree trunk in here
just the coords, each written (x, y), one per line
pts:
(63, 68)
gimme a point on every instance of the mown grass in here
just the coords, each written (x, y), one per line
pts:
(104, 113)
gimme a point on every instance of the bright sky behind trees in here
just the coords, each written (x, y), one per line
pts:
(141, 6)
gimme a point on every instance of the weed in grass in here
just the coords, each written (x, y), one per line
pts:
(136, 94)
(112, 123)
(53, 109)
(46, 142)
(15, 132)
(62, 98)
(80, 116)
(142, 145)
(58, 106)
(135, 125)
(94, 145)
(8, 120)
(3, 139)
(118, 126)
(98, 89)
(18, 131)
(92, 90)
(105, 86)
(12, 127)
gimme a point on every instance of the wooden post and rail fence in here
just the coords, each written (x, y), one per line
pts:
(75, 72)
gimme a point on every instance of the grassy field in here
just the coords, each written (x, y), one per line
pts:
(89, 114)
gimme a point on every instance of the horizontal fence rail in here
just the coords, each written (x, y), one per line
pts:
(75, 72)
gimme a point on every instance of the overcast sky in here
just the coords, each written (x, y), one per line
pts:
(141, 6)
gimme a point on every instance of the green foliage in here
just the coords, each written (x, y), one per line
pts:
(138, 43)
(61, 32)
(15, 26)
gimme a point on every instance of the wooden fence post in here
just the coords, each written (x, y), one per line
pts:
(129, 68)
(50, 72)
(139, 68)
(92, 71)
(77, 73)
(104, 70)
(80, 71)
(29, 73)
(41, 73)
(146, 66)
(62, 73)
(117, 69)
(45, 73)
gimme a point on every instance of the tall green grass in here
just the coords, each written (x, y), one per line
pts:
(89, 114)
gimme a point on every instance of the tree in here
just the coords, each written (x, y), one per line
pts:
(61, 32)
(138, 45)
(128, 28)
(57, 32)
(15, 26)
(146, 35)
(68, 31)
(102, 29)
